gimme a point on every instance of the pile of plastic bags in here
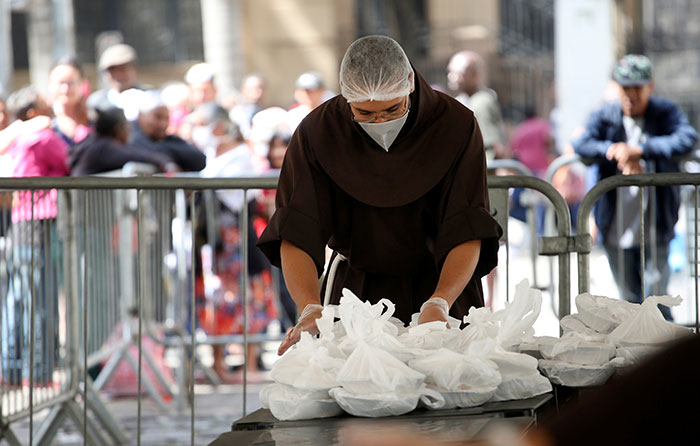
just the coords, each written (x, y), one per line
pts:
(366, 363)
(605, 335)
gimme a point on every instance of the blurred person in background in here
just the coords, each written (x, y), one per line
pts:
(33, 233)
(200, 81)
(250, 103)
(466, 74)
(391, 175)
(277, 149)
(117, 65)
(68, 90)
(176, 96)
(219, 285)
(107, 148)
(638, 133)
(309, 93)
(150, 131)
(4, 114)
(532, 144)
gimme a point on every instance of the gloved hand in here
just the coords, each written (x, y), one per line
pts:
(307, 322)
(434, 309)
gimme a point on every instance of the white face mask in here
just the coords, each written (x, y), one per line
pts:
(384, 133)
(203, 137)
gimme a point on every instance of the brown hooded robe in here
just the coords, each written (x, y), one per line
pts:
(395, 215)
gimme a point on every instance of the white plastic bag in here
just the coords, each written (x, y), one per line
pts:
(287, 403)
(307, 366)
(429, 336)
(370, 370)
(576, 348)
(520, 378)
(519, 315)
(572, 323)
(448, 370)
(576, 375)
(603, 314)
(386, 404)
(522, 387)
(634, 354)
(648, 326)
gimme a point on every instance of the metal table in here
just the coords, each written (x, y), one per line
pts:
(261, 428)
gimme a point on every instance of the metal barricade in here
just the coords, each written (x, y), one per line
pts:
(559, 245)
(95, 228)
(641, 181)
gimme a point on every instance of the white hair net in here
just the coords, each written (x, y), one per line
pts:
(375, 68)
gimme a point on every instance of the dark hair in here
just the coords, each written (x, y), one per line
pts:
(108, 120)
(70, 61)
(21, 101)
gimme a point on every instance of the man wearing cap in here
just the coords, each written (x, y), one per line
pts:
(637, 134)
(117, 65)
(391, 175)
(309, 93)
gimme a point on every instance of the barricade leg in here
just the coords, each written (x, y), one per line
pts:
(7, 435)
(112, 426)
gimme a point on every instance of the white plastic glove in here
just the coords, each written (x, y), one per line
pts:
(434, 309)
(307, 322)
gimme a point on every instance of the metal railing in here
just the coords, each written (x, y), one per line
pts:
(641, 181)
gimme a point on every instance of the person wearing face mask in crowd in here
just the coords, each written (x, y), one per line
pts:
(391, 175)
(150, 131)
(220, 307)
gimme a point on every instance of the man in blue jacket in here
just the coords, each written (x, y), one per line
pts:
(637, 134)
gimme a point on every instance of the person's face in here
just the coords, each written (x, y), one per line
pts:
(379, 111)
(634, 100)
(121, 77)
(155, 123)
(462, 75)
(278, 148)
(253, 90)
(4, 115)
(201, 93)
(65, 85)
(309, 98)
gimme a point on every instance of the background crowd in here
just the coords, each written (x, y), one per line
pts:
(186, 125)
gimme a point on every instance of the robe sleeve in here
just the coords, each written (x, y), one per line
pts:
(464, 208)
(302, 207)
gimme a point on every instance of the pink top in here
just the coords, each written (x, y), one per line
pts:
(40, 154)
(530, 144)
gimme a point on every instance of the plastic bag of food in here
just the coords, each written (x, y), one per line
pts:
(288, 403)
(572, 323)
(448, 370)
(386, 404)
(576, 375)
(464, 381)
(370, 370)
(519, 315)
(520, 378)
(370, 323)
(576, 348)
(648, 326)
(307, 366)
(603, 314)
(634, 354)
(429, 336)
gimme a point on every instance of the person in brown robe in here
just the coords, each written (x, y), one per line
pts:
(391, 175)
